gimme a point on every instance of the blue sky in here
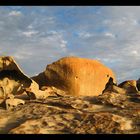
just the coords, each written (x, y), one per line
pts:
(38, 35)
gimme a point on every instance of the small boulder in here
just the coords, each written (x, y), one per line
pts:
(11, 103)
(130, 86)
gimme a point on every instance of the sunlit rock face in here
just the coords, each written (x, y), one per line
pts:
(129, 85)
(12, 79)
(76, 76)
(14, 82)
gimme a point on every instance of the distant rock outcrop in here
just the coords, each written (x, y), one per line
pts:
(76, 76)
(130, 86)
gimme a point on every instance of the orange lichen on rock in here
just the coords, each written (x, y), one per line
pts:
(77, 76)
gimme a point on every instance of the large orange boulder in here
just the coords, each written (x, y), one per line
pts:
(76, 76)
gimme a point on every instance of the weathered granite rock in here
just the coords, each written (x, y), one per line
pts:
(76, 76)
(72, 115)
(130, 86)
(13, 82)
(74, 123)
(113, 98)
(11, 103)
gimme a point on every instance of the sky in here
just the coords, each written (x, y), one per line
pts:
(39, 35)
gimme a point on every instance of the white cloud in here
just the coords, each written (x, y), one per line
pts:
(85, 34)
(63, 44)
(55, 41)
(15, 13)
(30, 27)
(135, 52)
(29, 33)
(108, 34)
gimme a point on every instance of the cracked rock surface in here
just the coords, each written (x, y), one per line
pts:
(74, 115)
